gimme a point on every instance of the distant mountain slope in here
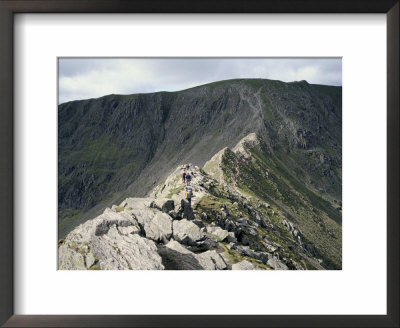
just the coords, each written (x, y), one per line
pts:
(119, 146)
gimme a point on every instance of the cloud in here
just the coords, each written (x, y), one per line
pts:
(83, 78)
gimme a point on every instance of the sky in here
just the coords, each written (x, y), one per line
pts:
(84, 78)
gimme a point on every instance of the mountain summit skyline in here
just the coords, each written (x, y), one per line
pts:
(84, 78)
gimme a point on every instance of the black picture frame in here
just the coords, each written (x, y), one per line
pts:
(7, 198)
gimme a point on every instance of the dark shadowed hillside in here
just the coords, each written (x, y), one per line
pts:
(119, 146)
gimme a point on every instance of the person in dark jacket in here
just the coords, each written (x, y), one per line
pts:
(188, 178)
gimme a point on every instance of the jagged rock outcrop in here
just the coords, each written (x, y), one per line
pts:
(108, 242)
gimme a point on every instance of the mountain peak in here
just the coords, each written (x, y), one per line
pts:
(247, 142)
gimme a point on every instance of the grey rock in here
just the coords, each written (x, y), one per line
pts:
(187, 211)
(186, 231)
(229, 226)
(262, 256)
(173, 214)
(199, 223)
(245, 241)
(89, 260)
(244, 251)
(206, 245)
(277, 264)
(177, 257)
(163, 204)
(231, 237)
(218, 232)
(211, 260)
(230, 245)
(128, 230)
(158, 227)
(244, 265)
(69, 259)
(253, 232)
(112, 246)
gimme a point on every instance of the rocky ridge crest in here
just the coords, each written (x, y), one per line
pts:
(224, 229)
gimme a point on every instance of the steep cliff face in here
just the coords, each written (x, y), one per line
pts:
(119, 146)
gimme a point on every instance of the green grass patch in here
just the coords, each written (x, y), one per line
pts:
(174, 191)
(120, 209)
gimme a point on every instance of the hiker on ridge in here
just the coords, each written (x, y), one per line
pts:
(183, 176)
(188, 178)
(188, 195)
(187, 167)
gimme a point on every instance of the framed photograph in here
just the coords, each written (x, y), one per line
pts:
(204, 164)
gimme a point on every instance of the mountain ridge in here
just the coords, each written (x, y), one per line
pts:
(116, 146)
(225, 229)
(197, 86)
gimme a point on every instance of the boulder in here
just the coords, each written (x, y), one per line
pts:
(158, 227)
(219, 233)
(126, 252)
(257, 218)
(177, 257)
(244, 265)
(231, 237)
(187, 211)
(69, 259)
(186, 231)
(128, 230)
(199, 223)
(163, 204)
(173, 214)
(211, 260)
(89, 260)
(262, 256)
(230, 245)
(110, 241)
(253, 232)
(244, 250)
(244, 240)
(277, 264)
(206, 245)
(243, 222)
(229, 226)
(136, 203)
